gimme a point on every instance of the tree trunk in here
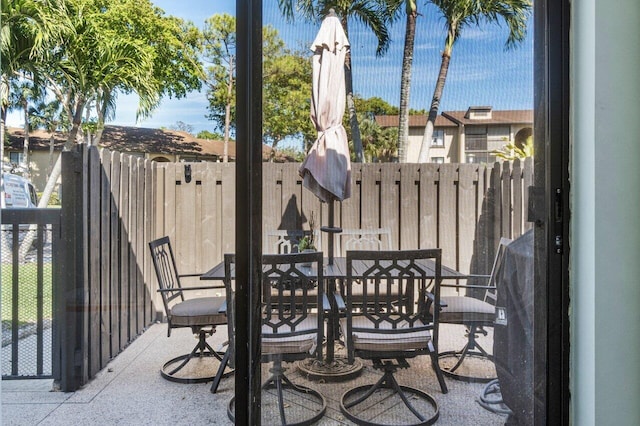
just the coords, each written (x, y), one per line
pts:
(53, 178)
(435, 106)
(405, 82)
(25, 147)
(227, 113)
(351, 106)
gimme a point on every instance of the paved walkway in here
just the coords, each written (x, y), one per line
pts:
(130, 391)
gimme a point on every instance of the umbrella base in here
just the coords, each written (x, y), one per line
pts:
(336, 371)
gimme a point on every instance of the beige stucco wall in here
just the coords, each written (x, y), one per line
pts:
(38, 166)
(449, 151)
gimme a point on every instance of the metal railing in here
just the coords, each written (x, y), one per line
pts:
(29, 239)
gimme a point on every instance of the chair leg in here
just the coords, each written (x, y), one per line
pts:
(220, 374)
(201, 350)
(388, 381)
(436, 367)
(281, 382)
(471, 349)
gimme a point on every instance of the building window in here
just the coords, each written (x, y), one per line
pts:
(437, 160)
(15, 157)
(438, 137)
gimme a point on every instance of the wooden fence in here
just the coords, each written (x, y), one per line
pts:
(114, 204)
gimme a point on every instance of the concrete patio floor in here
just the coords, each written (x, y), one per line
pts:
(130, 391)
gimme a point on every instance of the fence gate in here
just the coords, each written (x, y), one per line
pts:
(30, 239)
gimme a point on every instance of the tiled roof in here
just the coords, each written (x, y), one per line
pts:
(132, 139)
(414, 121)
(454, 118)
(520, 116)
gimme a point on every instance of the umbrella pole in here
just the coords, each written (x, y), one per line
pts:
(331, 229)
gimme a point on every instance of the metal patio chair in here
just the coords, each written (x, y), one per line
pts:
(476, 314)
(201, 314)
(293, 304)
(395, 326)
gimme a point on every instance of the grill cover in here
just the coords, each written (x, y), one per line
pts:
(513, 331)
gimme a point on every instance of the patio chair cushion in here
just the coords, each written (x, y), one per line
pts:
(386, 341)
(198, 312)
(273, 343)
(463, 309)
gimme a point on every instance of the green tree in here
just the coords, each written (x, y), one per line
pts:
(24, 36)
(459, 14)
(379, 144)
(286, 83)
(22, 94)
(219, 45)
(373, 14)
(205, 134)
(51, 117)
(411, 11)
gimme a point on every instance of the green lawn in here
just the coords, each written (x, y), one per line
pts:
(27, 294)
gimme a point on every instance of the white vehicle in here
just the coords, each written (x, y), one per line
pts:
(18, 192)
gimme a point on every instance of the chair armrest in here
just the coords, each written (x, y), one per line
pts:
(462, 286)
(189, 275)
(326, 304)
(432, 298)
(210, 287)
(340, 303)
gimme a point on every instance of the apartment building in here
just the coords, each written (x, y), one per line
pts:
(466, 136)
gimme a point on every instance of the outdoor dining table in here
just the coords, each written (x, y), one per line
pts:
(334, 272)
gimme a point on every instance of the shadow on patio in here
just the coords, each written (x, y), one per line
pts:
(130, 391)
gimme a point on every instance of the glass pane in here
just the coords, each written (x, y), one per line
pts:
(464, 209)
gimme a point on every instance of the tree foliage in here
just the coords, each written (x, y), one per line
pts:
(286, 83)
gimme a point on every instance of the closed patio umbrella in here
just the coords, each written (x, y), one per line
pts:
(326, 171)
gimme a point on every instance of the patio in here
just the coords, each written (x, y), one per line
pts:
(130, 390)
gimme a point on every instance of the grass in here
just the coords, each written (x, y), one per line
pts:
(27, 292)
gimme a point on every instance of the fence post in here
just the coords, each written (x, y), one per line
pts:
(71, 306)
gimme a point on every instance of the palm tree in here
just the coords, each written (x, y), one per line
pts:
(374, 14)
(22, 93)
(458, 15)
(405, 79)
(24, 33)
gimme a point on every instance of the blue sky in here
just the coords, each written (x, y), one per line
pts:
(481, 71)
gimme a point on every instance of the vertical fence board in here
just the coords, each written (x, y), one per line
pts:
(517, 224)
(527, 179)
(115, 254)
(140, 247)
(169, 199)
(447, 214)
(94, 252)
(428, 213)
(271, 203)
(370, 201)
(133, 239)
(506, 201)
(467, 219)
(390, 203)
(290, 206)
(496, 219)
(228, 207)
(350, 208)
(409, 207)
(125, 305)
(105, 258)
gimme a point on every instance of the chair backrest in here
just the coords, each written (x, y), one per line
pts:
(229, 285)
(363, 239)
(490, 295)
(400, 292)
(283, 241)
(165, 265)
(292, 290)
